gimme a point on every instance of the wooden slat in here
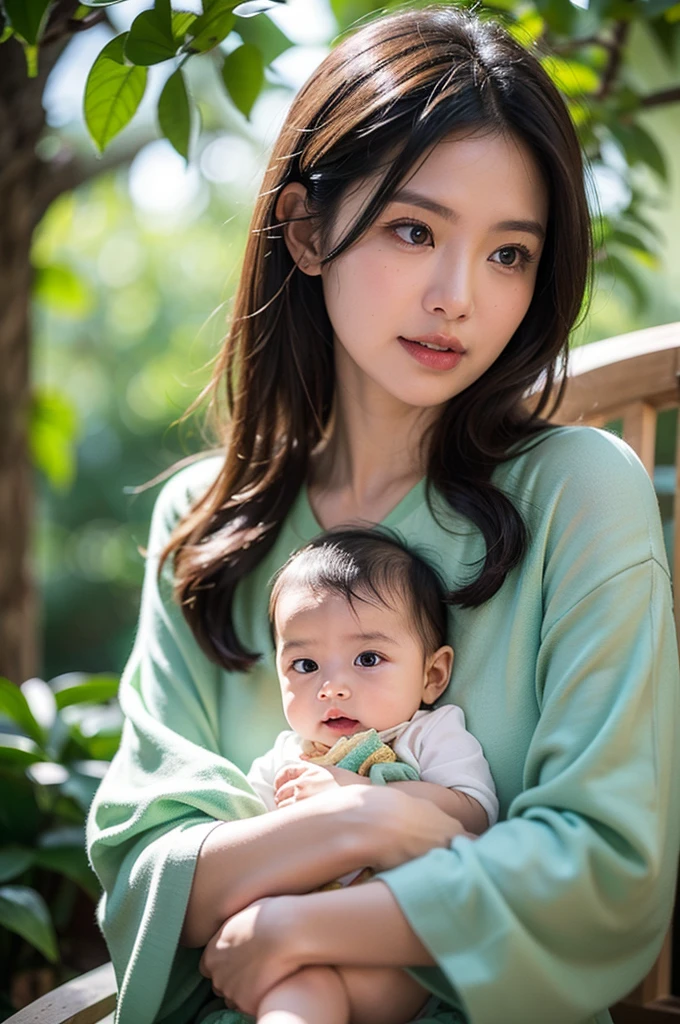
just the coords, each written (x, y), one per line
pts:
(639, 430)
(85, 1000)
(639, 366)
(656, 985)
(665, 1011)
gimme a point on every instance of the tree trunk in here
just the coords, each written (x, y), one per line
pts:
(22, 176)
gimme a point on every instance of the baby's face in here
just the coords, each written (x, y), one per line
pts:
(343, 670)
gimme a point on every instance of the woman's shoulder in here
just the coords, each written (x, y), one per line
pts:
(598, 461)
(586, 482)
(181, 490)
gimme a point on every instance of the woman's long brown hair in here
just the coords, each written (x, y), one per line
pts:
(396, 86)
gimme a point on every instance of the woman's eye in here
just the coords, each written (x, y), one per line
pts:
(368, 659)
(305, 665)
(514, 257)
(418, 233)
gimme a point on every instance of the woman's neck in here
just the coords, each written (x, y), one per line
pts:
(373, 453)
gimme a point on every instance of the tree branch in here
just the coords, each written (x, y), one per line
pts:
(621, 30)
(69, 26)
(65, 174)
(658, 99)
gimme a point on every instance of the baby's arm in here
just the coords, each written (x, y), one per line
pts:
(462, 806)
(299, 781)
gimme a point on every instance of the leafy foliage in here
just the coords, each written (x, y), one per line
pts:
(583, 48)
(56, 740)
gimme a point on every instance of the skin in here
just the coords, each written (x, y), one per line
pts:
(363, 662)
(326, 668)
(447, 278)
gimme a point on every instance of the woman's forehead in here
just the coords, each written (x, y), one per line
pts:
(494, 173)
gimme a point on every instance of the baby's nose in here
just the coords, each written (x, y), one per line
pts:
(331, 689)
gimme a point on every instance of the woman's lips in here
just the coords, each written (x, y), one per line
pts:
(434, 359)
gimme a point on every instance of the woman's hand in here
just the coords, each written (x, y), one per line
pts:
(251, 952)
(295, 782)
(405, 827)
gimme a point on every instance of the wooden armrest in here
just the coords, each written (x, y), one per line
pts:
(85, 1000)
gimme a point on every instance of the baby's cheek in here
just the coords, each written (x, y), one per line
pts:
(296, 711)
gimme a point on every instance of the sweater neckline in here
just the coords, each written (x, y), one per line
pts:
(310, 525)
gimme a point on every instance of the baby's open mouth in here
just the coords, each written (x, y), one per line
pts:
(341, 723)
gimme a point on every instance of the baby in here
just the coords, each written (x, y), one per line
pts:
(360, 626)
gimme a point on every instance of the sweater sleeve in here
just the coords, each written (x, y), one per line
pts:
(165, 790)
(557, 911)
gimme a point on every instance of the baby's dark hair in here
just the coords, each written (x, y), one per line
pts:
(367, 565)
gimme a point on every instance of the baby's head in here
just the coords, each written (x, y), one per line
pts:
(359, 624)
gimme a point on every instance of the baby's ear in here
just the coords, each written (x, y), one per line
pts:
(437, 673)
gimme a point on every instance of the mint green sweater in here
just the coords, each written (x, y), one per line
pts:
(569, 679)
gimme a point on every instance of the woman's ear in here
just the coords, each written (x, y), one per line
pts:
(299, 229)
(437, 673)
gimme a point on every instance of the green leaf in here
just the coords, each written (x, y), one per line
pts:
(265, 35)
(113, 92)
(14, 860)
(243, 75)
(630, 240)
(529, 27)
(560, 15)
(164, 14)
(620, 271)
(653, 8)
(571, 77)
(640, 147)
(14, 706)
(101, 3)
(53, 430)
(18, 751)
(24, 911)
(174, 113)
(71, 862)
(150, 39)
(211, 27)
(59, 287)
(181, 24)
(662, 30)
(95, 689)
(81, 789)
(28, 17)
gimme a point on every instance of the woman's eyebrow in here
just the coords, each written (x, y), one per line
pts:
(407, 195)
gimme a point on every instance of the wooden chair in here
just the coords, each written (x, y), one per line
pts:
(630, 379)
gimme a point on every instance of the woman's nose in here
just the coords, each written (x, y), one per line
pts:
(334, 690)
(451, 291)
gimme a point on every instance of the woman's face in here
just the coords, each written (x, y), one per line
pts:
(454, 256)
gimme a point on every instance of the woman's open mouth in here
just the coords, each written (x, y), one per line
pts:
(435, 357)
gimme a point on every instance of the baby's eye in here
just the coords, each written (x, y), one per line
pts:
(304, 665)
(367, 659)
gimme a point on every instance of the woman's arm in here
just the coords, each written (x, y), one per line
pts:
(315, 840)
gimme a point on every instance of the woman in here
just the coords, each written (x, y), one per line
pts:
(418, 256)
